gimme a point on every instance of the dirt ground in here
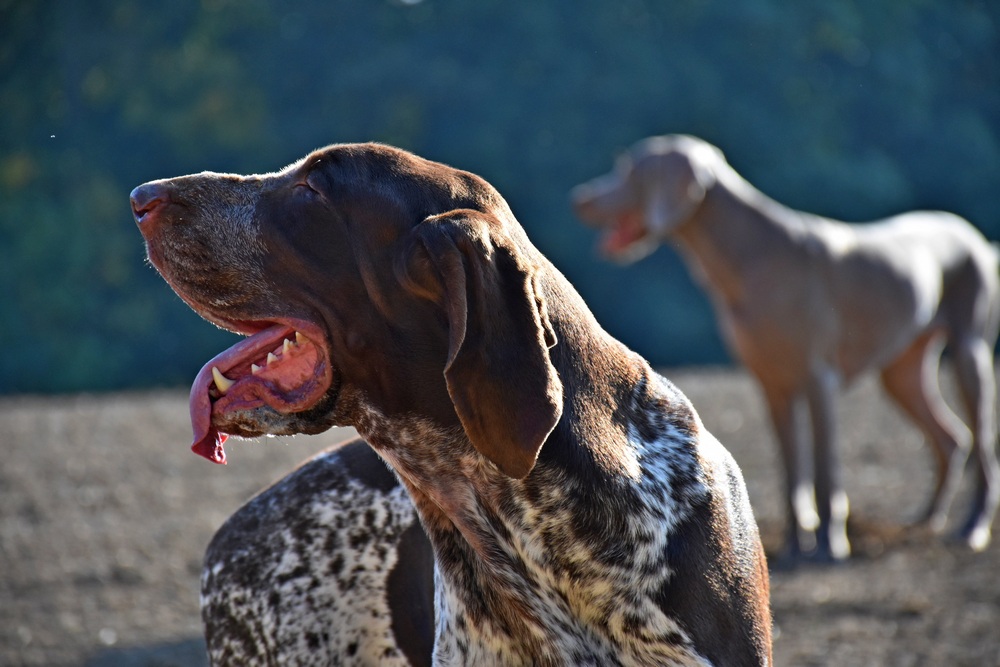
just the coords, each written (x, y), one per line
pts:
(104, 515)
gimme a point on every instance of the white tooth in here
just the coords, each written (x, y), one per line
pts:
(299, 338)
(286, 346)
(271, 358)
(221, 381)
(254, 368)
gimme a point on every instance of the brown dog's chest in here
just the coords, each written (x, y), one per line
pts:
(551, 565)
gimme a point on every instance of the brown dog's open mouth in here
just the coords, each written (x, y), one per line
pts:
(283, 366)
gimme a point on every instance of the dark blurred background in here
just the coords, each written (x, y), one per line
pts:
(854, 109)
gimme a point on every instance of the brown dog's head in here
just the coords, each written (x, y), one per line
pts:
(362, 275)
(655, 187)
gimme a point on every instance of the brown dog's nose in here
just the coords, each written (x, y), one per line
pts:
(147, 198)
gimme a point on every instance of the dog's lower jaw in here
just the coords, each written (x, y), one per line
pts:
(265, 420)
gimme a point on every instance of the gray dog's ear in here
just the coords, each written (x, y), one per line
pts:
(501, 380)
(684, 179)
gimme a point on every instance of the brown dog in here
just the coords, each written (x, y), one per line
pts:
(808, 303)
(578, 511)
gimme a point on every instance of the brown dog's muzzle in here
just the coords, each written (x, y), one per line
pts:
(281, 368)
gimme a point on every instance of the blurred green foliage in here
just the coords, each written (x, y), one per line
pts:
(854, 109)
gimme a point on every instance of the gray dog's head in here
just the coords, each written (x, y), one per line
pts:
(654, 188)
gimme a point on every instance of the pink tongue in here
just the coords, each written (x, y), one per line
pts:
(208, 440)
(211, 446)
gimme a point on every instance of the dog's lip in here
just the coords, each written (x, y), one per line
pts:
(314, 376)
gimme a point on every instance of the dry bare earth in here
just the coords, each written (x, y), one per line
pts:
(104, 515)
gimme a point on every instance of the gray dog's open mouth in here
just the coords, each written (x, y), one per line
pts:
(624, 231)
(283, 366)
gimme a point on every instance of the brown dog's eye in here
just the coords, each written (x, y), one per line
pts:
(304, 188)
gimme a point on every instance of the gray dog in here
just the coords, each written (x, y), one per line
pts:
(808, 303)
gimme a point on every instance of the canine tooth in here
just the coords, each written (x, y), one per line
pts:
(254, 368)
(299, 338)
(286, 346)
(221, 381)
(271, 358)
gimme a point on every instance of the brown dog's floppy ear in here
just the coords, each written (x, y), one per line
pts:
(501, 380)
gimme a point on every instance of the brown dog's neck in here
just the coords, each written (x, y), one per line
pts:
(599, 375)
(503, 544)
